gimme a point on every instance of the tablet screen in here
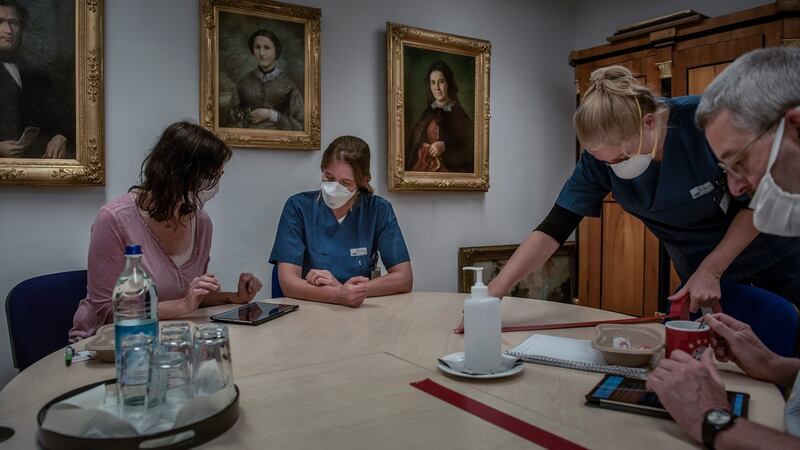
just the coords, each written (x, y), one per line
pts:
(255, 313)
(633, 393)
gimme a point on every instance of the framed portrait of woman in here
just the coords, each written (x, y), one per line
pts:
(51, 92)
(259, 80)
(438, 110)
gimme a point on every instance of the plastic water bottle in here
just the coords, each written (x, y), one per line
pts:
(135, 304)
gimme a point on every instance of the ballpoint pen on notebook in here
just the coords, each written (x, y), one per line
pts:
(68, 354)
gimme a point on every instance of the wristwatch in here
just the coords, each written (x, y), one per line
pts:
(715, 420)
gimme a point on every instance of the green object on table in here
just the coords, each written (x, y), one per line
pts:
(68, 354)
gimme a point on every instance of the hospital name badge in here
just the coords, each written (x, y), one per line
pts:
(701, 190)
(361, 251)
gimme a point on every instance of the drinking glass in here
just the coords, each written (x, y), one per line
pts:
(137, 353)
(169, 390)
(177, 337)
(212, 370)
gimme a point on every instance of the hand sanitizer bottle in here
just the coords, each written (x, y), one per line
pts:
(482, 328)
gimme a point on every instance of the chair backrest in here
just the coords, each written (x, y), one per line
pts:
(39, 312)
(773, 319)
(277, 292)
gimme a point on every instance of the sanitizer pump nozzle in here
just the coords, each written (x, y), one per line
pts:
(478, 290)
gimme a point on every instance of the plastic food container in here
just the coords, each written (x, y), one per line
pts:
(102, 343)
(627, 345)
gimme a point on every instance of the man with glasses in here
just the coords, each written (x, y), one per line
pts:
(752, 122)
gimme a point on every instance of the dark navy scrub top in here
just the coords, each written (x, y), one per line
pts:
(310, 236)
(680, 199)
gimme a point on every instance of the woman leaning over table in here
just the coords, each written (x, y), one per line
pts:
(164, 214)
(328, 240)
(652, 157)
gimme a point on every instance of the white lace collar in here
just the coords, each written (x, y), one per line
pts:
(447, 106)
(268, 76)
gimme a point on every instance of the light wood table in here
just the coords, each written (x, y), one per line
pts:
(335, 377)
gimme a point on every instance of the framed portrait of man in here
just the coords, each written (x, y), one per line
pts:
(438, 110)
(51, 92)
(260, 73)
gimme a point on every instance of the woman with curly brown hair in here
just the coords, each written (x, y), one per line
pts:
(164, 215)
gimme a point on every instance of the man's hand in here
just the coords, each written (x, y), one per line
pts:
(688, 388)
(56, 148)
(10, 149)
(735, 341)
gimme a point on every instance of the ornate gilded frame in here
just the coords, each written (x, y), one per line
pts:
(495, 255)
(397, 37)
(88, 167)
(309, 138)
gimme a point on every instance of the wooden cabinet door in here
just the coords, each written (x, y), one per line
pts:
(698, 61)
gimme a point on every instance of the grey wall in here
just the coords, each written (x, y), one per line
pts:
(151, 70)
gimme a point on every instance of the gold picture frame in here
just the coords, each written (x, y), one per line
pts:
(415, 163)
(74, 114)
(287, 115)
(555, 281)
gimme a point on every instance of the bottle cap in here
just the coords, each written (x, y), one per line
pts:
(133, 250)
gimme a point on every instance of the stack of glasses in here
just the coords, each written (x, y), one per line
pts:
(156, 383)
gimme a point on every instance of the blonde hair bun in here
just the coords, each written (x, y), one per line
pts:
(612, 108)
(615, 80)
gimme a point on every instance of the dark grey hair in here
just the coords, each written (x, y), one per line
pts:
(757, 88)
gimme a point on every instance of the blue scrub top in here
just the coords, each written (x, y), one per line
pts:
(680, 199)
(310, 236)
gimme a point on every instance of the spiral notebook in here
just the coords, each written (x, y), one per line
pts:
(569, 353)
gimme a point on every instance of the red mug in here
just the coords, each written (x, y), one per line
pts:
(685, 335)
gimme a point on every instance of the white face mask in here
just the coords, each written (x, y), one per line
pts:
(335, 195)
(636, 164)
(775, 211)
(206, 195)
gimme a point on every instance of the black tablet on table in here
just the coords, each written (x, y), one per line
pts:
(254, 313)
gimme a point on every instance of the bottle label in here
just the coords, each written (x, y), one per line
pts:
(148, 328)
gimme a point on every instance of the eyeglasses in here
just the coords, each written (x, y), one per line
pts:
(730, 166)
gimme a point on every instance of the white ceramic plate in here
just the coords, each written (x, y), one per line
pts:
(459, 356)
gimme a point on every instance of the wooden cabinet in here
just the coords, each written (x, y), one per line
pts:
(621, 265)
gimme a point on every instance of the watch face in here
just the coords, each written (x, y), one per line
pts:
(718, 418)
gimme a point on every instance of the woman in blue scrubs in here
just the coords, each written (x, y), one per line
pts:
(656, 162)
(328, 240)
